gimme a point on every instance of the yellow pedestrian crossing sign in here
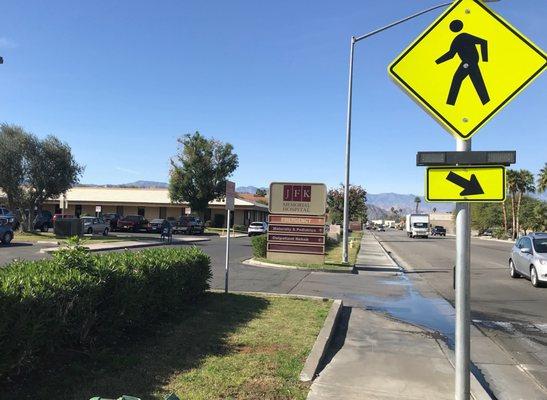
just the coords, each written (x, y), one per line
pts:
(467, 66)
(469, 184)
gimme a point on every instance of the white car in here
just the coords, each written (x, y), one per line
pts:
(257, 228)
(529, 258)
(92, 225)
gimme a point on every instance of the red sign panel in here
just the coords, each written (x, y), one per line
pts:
(296, 220)
(312, 230)
(297, 193)
(293, 248)
(296, 238)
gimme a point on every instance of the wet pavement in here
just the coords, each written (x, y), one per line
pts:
(384, 291)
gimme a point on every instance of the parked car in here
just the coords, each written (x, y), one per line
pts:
(189, 224)
(257, 228)
(43, 221)
(7, 214)
(6, 231)
(487, 232)
(133, 223)
(93, 225)
(438, 231)
(112, 220)
(381, 228)
(529, 258)
(158, 225)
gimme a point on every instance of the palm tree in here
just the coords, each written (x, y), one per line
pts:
(512, 188)
(542, 179)
(417, 200)
(525, 184)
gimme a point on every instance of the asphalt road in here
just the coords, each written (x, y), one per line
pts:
(494, 295)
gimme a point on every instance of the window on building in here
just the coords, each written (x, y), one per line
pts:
(182, 211)
(78, 210)
(163, 212)
(140, 211)
(119, 210)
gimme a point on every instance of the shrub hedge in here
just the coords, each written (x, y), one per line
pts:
(259, 244)
(79, 300)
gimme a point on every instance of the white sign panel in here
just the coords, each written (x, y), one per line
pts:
(230, 195)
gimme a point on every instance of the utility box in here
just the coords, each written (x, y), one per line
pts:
(68, 227)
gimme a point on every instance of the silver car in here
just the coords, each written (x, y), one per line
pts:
(257, 228)
(529, 258)
(92, 225)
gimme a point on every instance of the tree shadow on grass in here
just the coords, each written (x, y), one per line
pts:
(143, 364)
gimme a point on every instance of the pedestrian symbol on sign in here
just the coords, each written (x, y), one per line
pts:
(465, 46)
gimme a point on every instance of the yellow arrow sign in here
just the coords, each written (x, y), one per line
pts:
(477, 183)
(467, 66)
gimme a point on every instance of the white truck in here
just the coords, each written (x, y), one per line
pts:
(417, 225)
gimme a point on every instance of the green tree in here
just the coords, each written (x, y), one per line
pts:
(261, 192)
(417, 200)
(525, 184)
(357, 204)
(533, 214)
(200, 170)
(34, 170)
(485, 216)
(542, 179)
(512, 188)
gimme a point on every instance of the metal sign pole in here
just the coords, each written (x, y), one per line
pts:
(227, 267)
(463, 308)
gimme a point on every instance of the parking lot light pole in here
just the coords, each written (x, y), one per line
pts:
(353, 41)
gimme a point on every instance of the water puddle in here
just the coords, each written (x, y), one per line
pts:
(432, 313)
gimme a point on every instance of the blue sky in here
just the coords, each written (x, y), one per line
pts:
(121, 80)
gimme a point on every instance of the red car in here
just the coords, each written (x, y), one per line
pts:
(133, 223)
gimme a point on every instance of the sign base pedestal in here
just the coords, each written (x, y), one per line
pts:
(296, 258)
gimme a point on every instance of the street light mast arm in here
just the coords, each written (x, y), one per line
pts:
(374, 32)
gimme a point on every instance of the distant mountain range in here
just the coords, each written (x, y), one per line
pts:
(249, 189)
(405, 202)
(136, 184)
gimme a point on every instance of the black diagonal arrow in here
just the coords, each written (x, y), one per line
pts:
(470, 187)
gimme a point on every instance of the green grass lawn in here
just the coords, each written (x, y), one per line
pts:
(226, 347)
(334, 252)
(333, 255)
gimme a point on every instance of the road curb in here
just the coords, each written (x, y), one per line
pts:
(135, 246)
(270, 294)
(321, 343)
(401, 265)
(256, 263)
(478, 392)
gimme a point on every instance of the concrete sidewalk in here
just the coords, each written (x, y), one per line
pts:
(376, 357)
(373, 257)
(390, 346)
(383, 359)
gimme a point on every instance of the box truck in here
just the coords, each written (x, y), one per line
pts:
(417, 225)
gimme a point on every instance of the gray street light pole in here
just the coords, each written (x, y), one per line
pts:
(462, 295)
(354, 40)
